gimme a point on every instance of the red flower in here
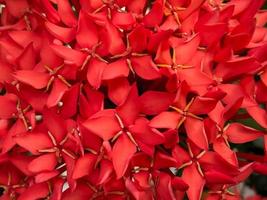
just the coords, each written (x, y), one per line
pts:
(121, 99)
(127, 129)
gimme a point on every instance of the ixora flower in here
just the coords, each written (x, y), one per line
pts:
(132, 99)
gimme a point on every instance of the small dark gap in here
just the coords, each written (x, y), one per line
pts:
(2, 190)
(248, 147)
(109, 104)
(263, 106)
(179, 172)
(243, 52)
(54, 5)
(76, 6)
(149, 117)
(171, 52)
(146, 85)
(258, 182)
(190, 96)
(2, 91)
(257, 78)
(148, 5)
(214, 65)
(41, 117)
(264, 6)
(182, 143)
(162, 130)
(203, 116)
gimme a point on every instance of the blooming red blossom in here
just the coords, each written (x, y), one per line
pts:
(131, 99)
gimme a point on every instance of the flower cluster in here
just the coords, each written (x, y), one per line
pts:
(131, 99)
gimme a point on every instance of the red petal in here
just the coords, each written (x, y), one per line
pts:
(179, 184)
(95, 71)
(195, 181)
(258, 114)
(17, 7)
(70, 164)
(64, 34)
(34, 142)
(241, 66)
(194, 5)
(21, 162)
(84, 166)
(260, 168)
(238, 133)
(45, 176)
(196, 132)
(156, 38)
(106, 169)
(69, 55)
(81, 192)
(129, 110)
(225, 152)
(114, 40)
(94, 102)
(58, 90)
(66, 13)
(241, 35)
(154, 17)
(216, 115)
(35, 79)
(164, 187)
(11, 47)
(163, 160)
(184, 52)
(6, 73)
(55, 124)
(211, 34)
(69, 99)
(49, 57)
(171, 138)
(180, 99)
(214, 177)
(95, 125)
(8, 105)
(35, 191)
(51, 12)
(213, 161)
(231, 109)
(138, 39)
(118, 89)
(145, 68)
(123, 20)
(87, 137)
(45, 162)
(57, 189)
(180, 155)
(121, 158)
(136, 6)
(142, 132)
(27, 59)
(116, 69)
(154, 102)
(163, 55)
(245, 172)
(202, 105)
(9, 141)
(86, 29)
(131, 187)
(166, 120)
(240, 6)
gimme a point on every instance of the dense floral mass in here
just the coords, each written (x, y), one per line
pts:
(131, 99)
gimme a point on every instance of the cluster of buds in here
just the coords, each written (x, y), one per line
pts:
(131, 99)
